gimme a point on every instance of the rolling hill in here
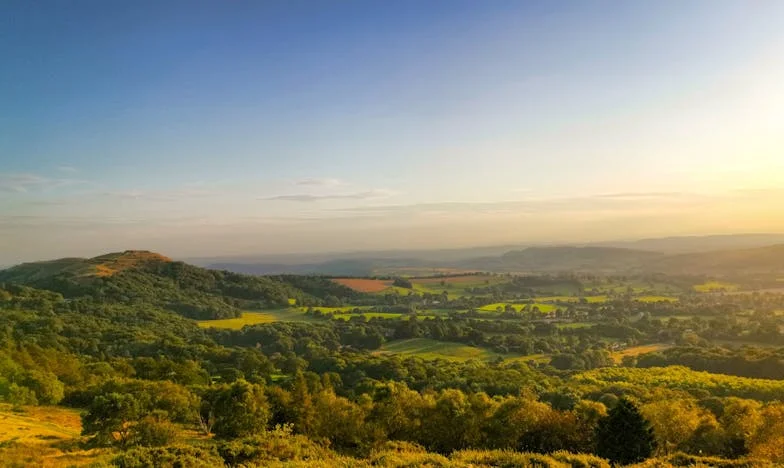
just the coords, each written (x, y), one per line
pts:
(134, 277)
(758, 260)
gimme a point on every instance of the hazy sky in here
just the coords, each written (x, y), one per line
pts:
(199, 128)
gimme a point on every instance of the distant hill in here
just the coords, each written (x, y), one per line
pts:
(564, 258)
(760, 260)
(600, 256)
(101, 266)
(340, 267)
(694, 244)
(135, 277)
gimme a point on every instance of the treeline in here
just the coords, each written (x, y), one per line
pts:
(141, 373)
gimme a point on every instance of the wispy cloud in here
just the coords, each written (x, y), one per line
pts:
(160, 195)
(640, 195)
(319, 182)
(306, 197)
(67, 169)
(28, 182)
(20, 183)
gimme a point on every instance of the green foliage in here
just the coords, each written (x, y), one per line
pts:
(177, 456)
(236, 410)
(624, 436)
(678, 377)
(110, 419)
(154, 430)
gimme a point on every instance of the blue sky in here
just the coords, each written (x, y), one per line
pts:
(198, 128)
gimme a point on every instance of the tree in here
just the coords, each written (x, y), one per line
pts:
(235, 410)
(624, 436)
(154, 430)
(110, 418)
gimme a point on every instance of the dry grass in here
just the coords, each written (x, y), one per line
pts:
(637, 350)
(38, 423)
(364, 284)
(108, 265)
(46, 436)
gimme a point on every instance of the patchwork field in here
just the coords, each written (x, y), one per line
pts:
(364, 284)
(656, 299)
(544, 308)
(637, 350)
(716, 286)
(257, 317)
(432, 349)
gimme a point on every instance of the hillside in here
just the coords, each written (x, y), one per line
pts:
(564, 258)
(758, 260)
(134, 277)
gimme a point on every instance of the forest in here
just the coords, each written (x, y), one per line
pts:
(134, 360)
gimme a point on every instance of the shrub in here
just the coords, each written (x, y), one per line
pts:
(182, 456)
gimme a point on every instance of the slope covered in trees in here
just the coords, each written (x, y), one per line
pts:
(155, 389)
(138, 277)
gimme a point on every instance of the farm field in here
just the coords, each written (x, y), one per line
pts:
(595, 299)
(570, 299)
(635, 287)
(656, 299)
(432, 349)
(257, 317)
(544, 308)
(716, 286)
(364, 284)
(637, 350)
(368, 315)
(573, 325)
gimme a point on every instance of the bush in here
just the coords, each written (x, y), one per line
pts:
(278, 444)
(154, 430)
(579, 460)
(506, 459)
(168, 457)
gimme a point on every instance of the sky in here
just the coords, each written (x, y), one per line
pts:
(198, 128)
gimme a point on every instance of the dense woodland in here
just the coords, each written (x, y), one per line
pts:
(118, 342)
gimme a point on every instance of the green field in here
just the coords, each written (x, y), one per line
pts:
(570, 299)
(545, 308)
(456, 286)
(656, 299)
(575, 325)
(716, 286)
(368, 315)
(254, 318)
(432, 349)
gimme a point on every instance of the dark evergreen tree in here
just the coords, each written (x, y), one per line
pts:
(624, 436)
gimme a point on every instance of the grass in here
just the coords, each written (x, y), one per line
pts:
(545, 308)
(656, 299)
(45, 436)
(638, 350)
(257, 317)
(573, 325)
(715, 286)
(426, 348)
(368, 315)
(364, 284)
(570, 299)
(247, 318)
(37, 423)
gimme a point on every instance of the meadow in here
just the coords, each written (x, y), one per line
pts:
(258, 317)
(543, 308)
(716, 286)
(426, 348)
(638, 350)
